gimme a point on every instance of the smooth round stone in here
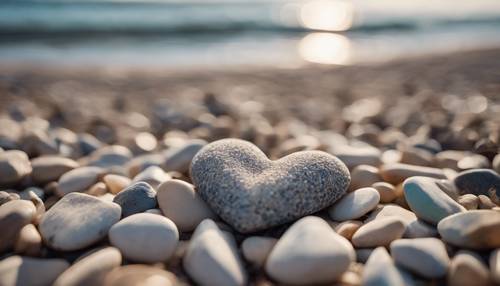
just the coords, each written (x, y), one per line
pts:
(50, 168)
(78, 180)
(212, 258)
(27, 271)
(116, 183)
(146, 238)
(14, 166)
(136, 198)
(364, 176)
(354, 156)
(304, 255)
(424, 256)
(348, 228)
(77, 221)
(14, 215)
(139, 275)
(428, 201)
(109, 156)
(467, 268)
(152, 175)
(180, 202)
(29, 241)
(478, 182)
(477, 229)
(256, 249)
(381, 270)
(469, 201)
(251, 192)
(178, 159)
(473, 161)
(91, 269)
(396, 173)
(392, 210)
(355, 204)
(386, 191)
(495, 265)
(416, 156)
(379, 232)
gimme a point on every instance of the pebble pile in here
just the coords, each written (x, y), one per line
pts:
(233, 198)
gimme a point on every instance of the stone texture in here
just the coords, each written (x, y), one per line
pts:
(14, 215)
(27, 271)
(428, 201)
(379, 232)
(306, 252)
(143, 275)
(256, 249)
(180, 202)
(477, 229)
(251, 193)
(478, 182)
(116, 183)
(396, 173)
(77, 221)
(146, 238)
(380, 270)
(136, 198)
(14, 166)
(467, 268)
(78, 180)
(91, 269)
(424, 256)
(212, 258)
(50, 168)
(355, 204)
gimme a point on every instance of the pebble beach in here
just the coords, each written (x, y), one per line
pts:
(384, 174)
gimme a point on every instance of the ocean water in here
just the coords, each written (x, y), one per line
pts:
(197, 34)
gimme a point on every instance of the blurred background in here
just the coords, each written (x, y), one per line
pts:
(236, 33)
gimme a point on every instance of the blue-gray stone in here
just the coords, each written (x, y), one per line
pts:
(136, 198)
(478, 182)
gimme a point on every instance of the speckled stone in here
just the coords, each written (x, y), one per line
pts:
(251, 193)
(136, 198)
(477, 229)
(14, 166)
(77, 221)
(27, 271)
(478, 182)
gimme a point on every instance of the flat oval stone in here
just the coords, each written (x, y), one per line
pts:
(136, 198)
(304, 255)
(477, 229)
(50, 168)
(211, 257)
(178, 159)
(180, 202)
(354, 156)
(77, 221)
(478, 182)
(379, 232)
(146, 238)
(424, 256)
(397, 172)
(256, 249)
(116, 183)
(467, 268)
(428, 201)
(355, 204)
(251, 192)
(14, 166)
(27, 271)
(381, 270)
(91, 269)
(78, 180)
(14, 215)
(143, 275)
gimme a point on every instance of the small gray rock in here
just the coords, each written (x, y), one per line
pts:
(252, 193)
(136, 198)
(478, 182)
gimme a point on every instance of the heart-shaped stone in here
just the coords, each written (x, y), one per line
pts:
(251, 192)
